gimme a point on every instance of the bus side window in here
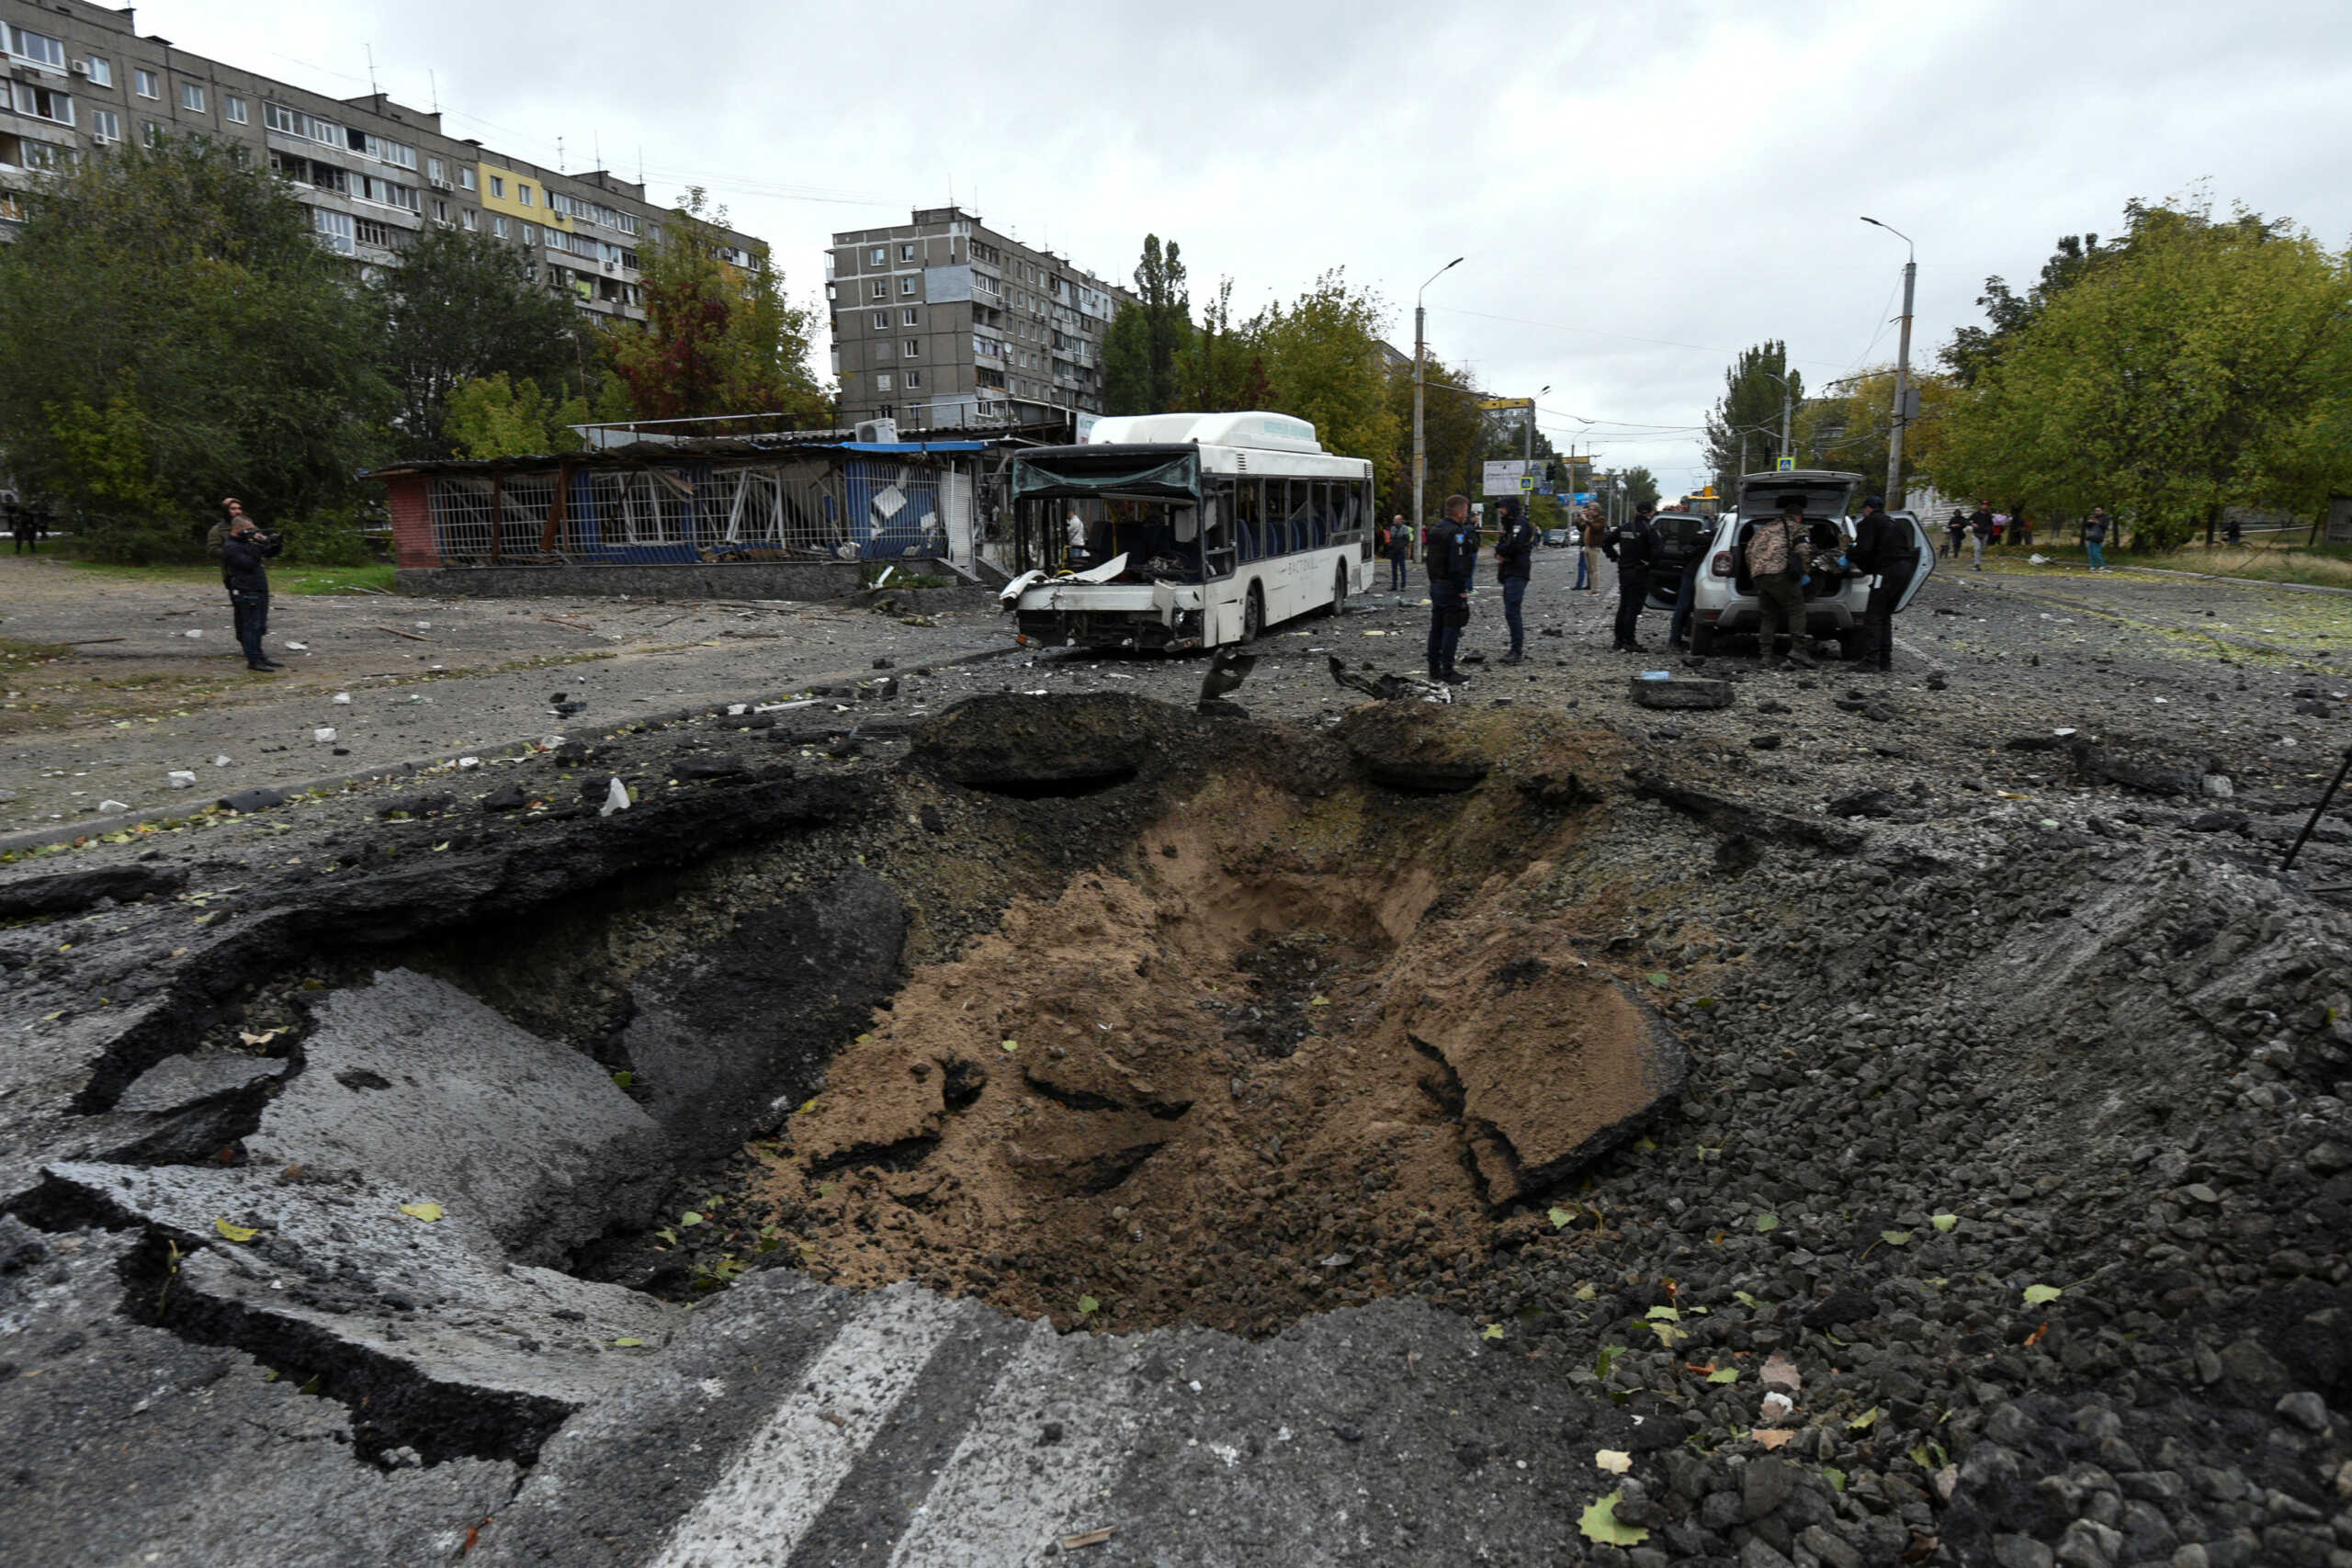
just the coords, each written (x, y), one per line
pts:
(1323, 512)
(1217, 531)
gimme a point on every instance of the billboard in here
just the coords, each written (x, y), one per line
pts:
(1502, 476)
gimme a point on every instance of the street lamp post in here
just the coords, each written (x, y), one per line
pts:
(1420, 444)
(1902, 368)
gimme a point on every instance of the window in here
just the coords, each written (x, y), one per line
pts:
(192, 96)
(907, 287)
(25, 153)
(465, 178)
(498, 186)
(294, 122)
(38, 48)
(101, 71)
(881, 289)
(913, 347)
(467, 215)
(625, 222)
(629, 260)
(907, 318)
(436, 171)
(373, 233)
(881, 320)
(336, 230)
(440, 212)
(530, 234)
(498, 228)
(327, 176)
(147, 83)
(233, 109)
(915, 379)
(384, 193)
(44, 103)
(878, 256)
(400, 154)
(105, 126)
(882, 382)
(906, 252)
(150, 133)
(521, 193)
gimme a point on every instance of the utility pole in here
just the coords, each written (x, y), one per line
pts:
(1420, 356)
(1894, 487)
(1527, 497)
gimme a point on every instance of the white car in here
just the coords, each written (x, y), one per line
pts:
(1724, 602)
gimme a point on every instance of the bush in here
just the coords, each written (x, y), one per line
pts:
(329, 539)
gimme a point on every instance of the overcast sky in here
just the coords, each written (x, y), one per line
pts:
(1641, 187)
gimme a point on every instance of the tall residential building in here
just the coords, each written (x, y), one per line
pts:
(943, 322)
(81, 78)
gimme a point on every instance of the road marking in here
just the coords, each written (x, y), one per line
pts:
(992, 1504)
(780, 1481)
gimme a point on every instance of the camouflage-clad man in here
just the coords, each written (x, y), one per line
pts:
(1777, 553)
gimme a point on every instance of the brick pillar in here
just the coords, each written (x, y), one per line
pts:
(407, 498)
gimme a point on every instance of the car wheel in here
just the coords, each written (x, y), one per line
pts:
(1702, 640)
(1254, 616)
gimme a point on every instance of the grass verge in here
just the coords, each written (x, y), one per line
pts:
(295, 579)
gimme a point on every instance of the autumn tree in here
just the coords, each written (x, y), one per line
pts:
(462, 307)
(719, 337)
(1324, 362)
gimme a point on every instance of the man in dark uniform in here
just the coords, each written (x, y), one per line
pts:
(1453, 561)
(1633, 548)
(1884, 551)
(242, 553)
(1514, 564)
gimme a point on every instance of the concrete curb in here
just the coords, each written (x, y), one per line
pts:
(92, 827)
(2242, 582)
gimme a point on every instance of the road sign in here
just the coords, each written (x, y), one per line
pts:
(1492, 403)
(1526, 483)
(1784, 465)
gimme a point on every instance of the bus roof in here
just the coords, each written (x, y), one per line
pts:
(1254, 428)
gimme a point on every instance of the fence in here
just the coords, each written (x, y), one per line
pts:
(692, 512)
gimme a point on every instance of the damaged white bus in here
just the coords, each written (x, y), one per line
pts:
(1181, 531)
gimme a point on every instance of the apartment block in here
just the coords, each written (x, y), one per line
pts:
(81, 78)
(943, 322)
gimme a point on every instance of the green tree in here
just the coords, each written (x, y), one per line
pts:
(1324, 362)
(1974, 350)
(1641, 487)
(1747, 419)
(2192, 370)
(495, 417)
(462, 306)
(1222, 369)
(718, 338)
(1126, 363)
(1454, 433)
(171, 332)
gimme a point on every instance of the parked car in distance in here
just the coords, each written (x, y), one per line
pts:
(1724, 602)
(1555, 538)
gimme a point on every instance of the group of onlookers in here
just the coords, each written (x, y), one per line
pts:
(1984, 528)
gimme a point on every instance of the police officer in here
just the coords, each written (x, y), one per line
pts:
(1634, 547)
(1514, 564)
(1884, 551)
(243, 551)
(1453, 561)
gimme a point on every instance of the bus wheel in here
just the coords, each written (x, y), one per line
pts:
(1253, 615)
(1338, 593)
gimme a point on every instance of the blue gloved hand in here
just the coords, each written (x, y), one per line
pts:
(1843, 565)
(1804, 581)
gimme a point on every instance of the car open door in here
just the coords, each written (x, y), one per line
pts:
(1925, 550)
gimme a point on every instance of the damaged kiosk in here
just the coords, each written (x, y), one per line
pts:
(1183, 531)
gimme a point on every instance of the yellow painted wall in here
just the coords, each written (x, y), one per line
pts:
(537, 213)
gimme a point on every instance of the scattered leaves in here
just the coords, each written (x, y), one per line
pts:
(1011, 1045)
(1585, 1291)
(623, 1078)
(1662, 1315)
(1863, 1422)
(1943, 1222)
(1895, 1238)
(628, 1341)
(1771, 1437)
(1559, 1218)
(2032, 1339)
(1087, 1306)
(1599, 1523)
(2040, 1295)
(1744, 1299)
(1615, 1461)
(1768, 1221)
(250, 1038)
(1723, 1374)
(1781, 1372)
(1492, 1331)
(235, 1233)
(428, 1213)
(1659, 978)
(1835, 1477)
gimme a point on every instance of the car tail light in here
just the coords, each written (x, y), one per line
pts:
(1721, 566)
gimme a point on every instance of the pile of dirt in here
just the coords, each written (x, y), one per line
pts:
(1230, 1082)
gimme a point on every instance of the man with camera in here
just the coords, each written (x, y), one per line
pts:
(243, 549)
